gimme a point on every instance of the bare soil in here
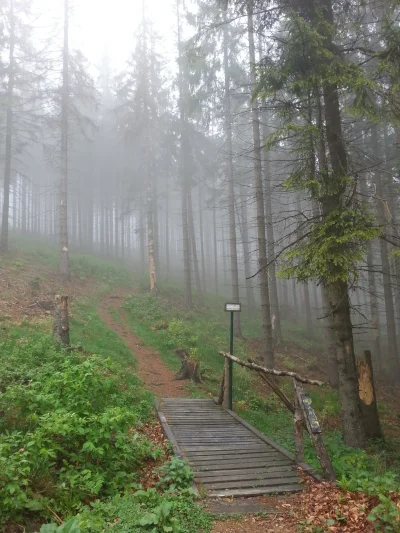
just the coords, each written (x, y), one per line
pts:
(27, 290)
(151, 370)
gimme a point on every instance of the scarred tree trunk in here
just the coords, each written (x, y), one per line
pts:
(268, 349)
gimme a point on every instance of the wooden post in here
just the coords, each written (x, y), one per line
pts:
(298, 424)
(222, 389)
(61, 323)
(314, 431)
(225, 402)
(366, 391)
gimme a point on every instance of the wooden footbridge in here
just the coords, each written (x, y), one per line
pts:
(228, 456)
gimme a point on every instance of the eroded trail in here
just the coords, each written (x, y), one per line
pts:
(151, 370)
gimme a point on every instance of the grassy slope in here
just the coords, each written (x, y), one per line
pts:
(205, 331)
(92, 334)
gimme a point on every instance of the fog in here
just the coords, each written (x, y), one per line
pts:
(128, 130)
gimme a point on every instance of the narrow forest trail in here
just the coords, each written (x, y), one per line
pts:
(156, 376)
(161, 381)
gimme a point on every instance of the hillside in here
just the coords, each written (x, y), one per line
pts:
(60, 410)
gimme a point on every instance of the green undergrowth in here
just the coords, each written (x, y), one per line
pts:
(162, 322)
(71, 444)
(26, 252)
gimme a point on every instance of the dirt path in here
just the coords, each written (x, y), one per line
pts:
(161, 380)
(151, 370)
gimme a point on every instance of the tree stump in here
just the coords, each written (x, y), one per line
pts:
(190, 368)
(61, 322)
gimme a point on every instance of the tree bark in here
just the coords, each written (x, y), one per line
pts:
(61, 321)
(268, 349)
(229, 172)
(194, 247)
(64, 258)
(246, 254)
(393, 372)
(9, 132)
(183, 175)
(366, 387)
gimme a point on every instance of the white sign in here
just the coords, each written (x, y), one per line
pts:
(233, 307)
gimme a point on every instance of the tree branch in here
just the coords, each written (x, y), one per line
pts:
(258, 368)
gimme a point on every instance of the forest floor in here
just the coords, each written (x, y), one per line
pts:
(102, 293)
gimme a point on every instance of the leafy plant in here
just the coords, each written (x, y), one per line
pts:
(160, 520)
(175, 475)
(67, 527)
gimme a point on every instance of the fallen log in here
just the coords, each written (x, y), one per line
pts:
(258, 368)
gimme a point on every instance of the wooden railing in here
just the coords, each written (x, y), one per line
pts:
(304, 417)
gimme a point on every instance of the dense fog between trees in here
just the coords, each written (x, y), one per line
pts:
(261, 162)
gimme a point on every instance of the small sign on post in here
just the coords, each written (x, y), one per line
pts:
(231, 308)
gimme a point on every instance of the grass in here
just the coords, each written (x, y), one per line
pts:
(203, 332)
(71, 422)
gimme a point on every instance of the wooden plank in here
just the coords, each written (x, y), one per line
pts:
(238, 466)
(169, 434)
(307, 468)
(236, 456)
(259, 447)
(222, 473)
(255, 491)
(226, 458)
(247, 483)
(254, 476)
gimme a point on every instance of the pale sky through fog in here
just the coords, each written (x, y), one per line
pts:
(100, 24)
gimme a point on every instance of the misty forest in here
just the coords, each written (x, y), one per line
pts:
(247, 152)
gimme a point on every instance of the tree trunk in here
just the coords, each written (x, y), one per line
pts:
(194, 247)
(9, 132)
(202, 252)
(393, 371)
(167, 228)
(268, 349)
(215, 242)
(183, 174)
(61, 322)
(231, 189)
(366, 387)
(64, 259)
(246, 254)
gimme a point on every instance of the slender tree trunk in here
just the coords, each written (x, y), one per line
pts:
(215, 241)
(271, 246)
(231, 189)
(393, 371)
(203, 260)
(64, 260)
(183, 174)
(268, 349)
(9, 132)
(167, 236)
(194, 247)
(246, 254)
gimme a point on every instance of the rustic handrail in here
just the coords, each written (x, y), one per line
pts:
(254, 366)
(304, 416)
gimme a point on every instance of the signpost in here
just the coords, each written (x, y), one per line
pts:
(231, 308)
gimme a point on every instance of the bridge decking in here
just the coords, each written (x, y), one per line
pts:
(227, 455)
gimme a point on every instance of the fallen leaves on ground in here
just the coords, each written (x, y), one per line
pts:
(320, 505)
